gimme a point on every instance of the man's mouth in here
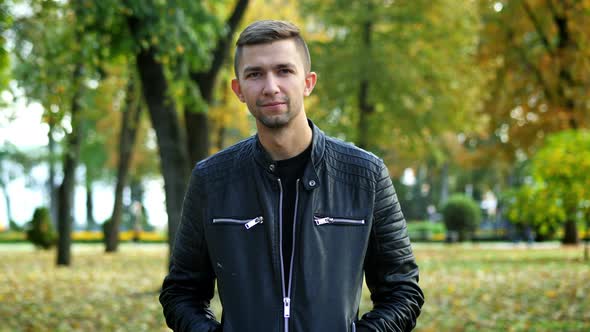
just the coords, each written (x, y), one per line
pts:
(276, 103)
(272, 102)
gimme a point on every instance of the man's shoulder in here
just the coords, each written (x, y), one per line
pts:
(352, 155)
(226, 158)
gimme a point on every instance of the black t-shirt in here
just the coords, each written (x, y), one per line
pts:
(289, 170)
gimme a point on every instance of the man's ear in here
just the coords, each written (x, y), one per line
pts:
(235, 85)
(310, 80)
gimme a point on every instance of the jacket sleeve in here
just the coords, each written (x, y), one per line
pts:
(391, 272)
(188, 287)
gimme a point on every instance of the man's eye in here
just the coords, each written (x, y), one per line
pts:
(253, 75)
(285, 71)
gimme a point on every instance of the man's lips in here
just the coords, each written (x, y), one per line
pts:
(273, 104)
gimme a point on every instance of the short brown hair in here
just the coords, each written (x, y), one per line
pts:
(268, 31)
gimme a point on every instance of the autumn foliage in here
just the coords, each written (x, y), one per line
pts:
(469, 288)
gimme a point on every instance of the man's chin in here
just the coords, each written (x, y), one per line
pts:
(275, 122)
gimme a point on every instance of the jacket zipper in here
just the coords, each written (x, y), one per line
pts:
(287, 292)
(286, 299)
(329, 220)
(248, 223)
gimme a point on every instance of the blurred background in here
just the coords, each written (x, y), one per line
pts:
(479, 108)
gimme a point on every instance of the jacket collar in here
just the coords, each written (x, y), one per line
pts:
(310, 178)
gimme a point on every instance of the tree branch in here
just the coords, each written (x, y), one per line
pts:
(529, 64)
(552, 8)
(220, 52)
(538, 27)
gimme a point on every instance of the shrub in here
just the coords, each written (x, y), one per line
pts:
(461, 215)
(425, 230)
(41, 232)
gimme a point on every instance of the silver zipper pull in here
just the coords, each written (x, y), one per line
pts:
(254, 222)
(287, 307)
(322, 221)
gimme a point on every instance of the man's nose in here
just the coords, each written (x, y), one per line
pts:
(270, 85)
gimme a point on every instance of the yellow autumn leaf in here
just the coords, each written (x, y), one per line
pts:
(551, 294)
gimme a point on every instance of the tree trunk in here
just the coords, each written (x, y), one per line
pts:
(570, 232)
(51, 181)
(138, 208)
(90, 221)
(365, 107)
(565, 44)
(444, 185)
(365, 110)
(129, 124)
(137, 191)
(66, 189)
(197, 127)
(419, 197)
(566, 82)
(7, 202)
(469, 190)
(171, 141)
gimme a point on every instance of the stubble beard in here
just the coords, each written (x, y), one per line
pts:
(275, 121)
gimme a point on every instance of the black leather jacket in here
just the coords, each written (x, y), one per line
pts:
(348, 221)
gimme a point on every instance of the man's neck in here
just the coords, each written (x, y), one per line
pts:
(286, 142)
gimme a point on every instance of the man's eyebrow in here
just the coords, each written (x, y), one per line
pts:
(252, 68)
(289, 65)
(284, 65)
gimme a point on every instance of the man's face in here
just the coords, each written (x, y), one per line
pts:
(272, 82)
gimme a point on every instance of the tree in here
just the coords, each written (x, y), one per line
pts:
(130, 117)
(165, 37)
(163, 115)
(57, 77)
(528, 208)
(398, 78)
(395, 76)
(99, 123)
(536, 51)
(559, 191)
(197, 122)
(563, 166)
(116, 130)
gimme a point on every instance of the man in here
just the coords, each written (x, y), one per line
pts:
(288, 220)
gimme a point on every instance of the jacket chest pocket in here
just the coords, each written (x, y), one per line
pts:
(247, 223)
(338, 230)
(235, 241)
(326, 220)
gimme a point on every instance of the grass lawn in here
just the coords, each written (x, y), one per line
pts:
(467, 287)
